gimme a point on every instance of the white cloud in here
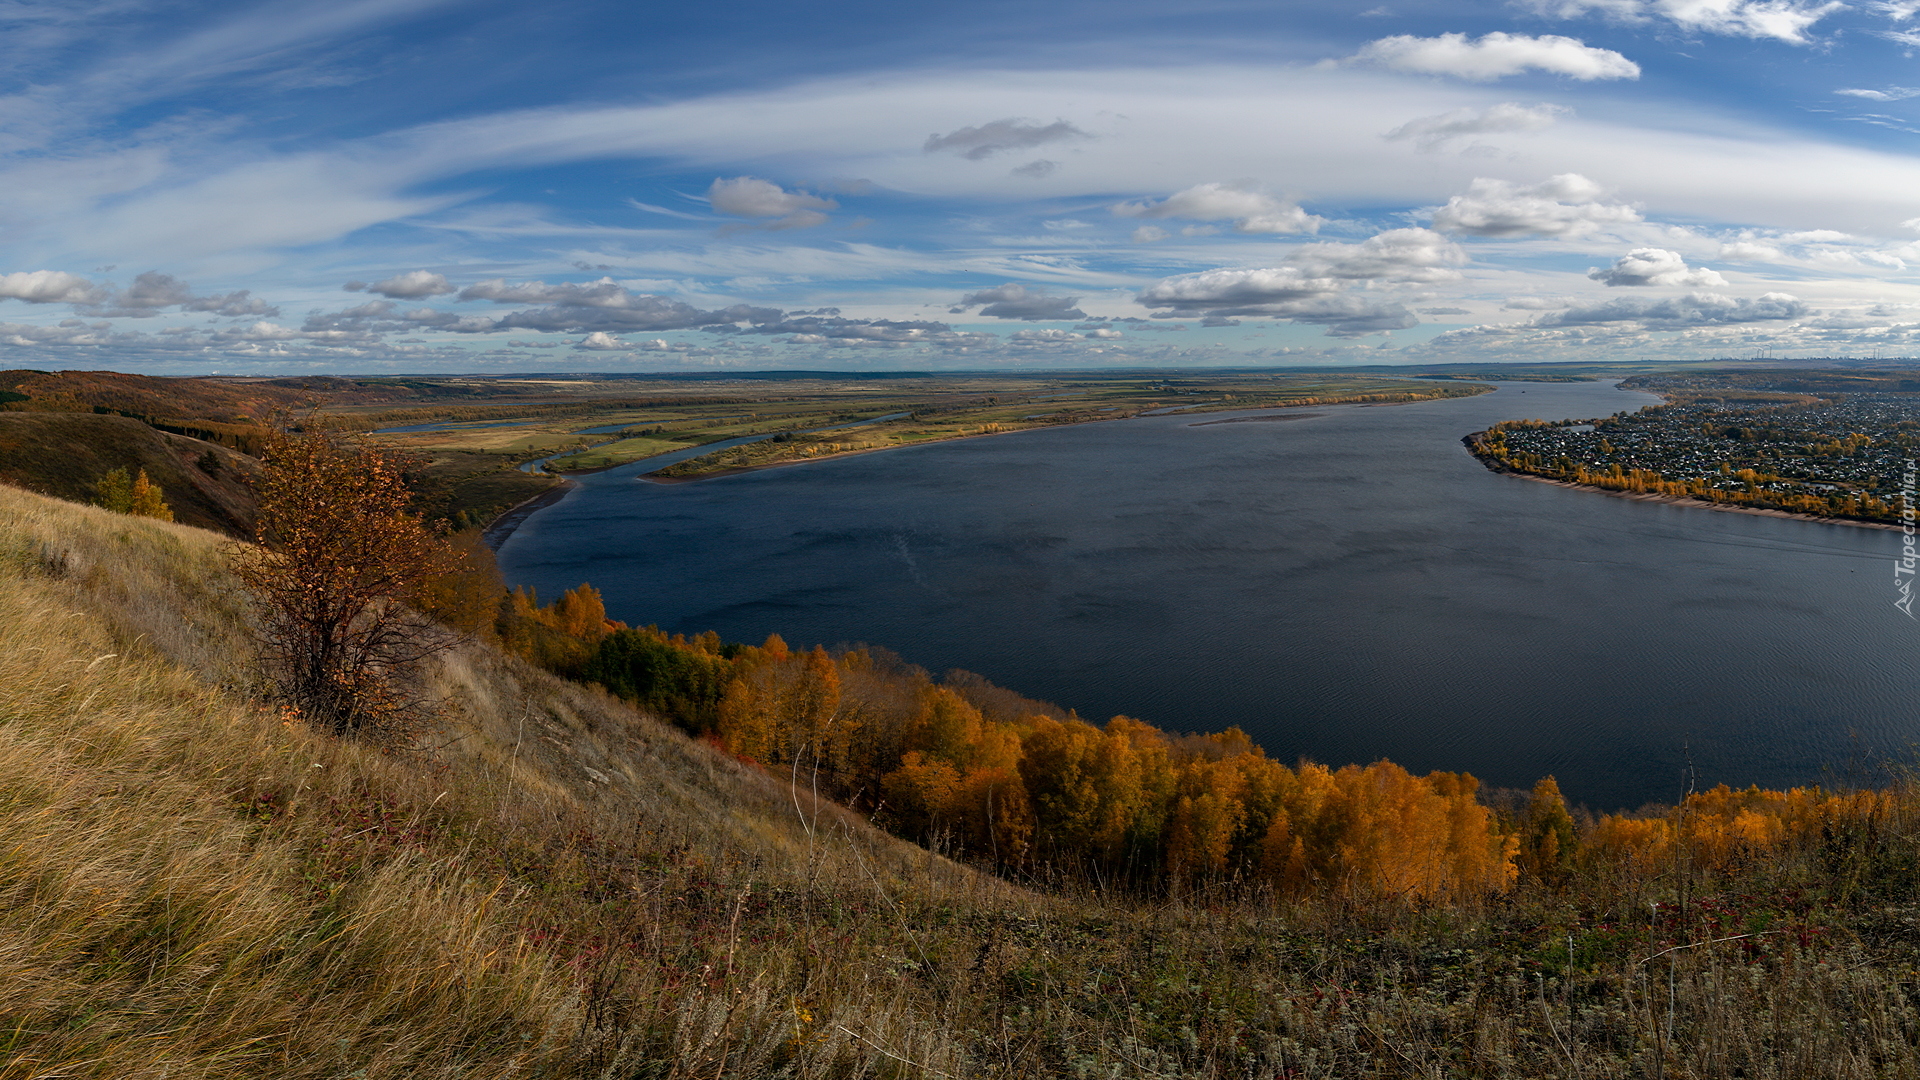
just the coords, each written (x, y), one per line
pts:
(149, 295)
(1781, 20)
(1567, 205)
(601, 341)
(1103, 334)
(49, 287)
(985, 140)
(747, 196)
(1236, 288)
(1891, 93)
(1750, 251)
(1416, 255)
(1655, 266)
(1147, 234)
(1536, 303)
(1495, 56)
(412, 285)
(1694, 309)
(1015, 301)
(1281, 292)
(1431, 133)
(1251, 210)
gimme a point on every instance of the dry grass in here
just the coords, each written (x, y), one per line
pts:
(191, 888)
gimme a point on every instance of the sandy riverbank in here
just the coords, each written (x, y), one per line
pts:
(500, 528)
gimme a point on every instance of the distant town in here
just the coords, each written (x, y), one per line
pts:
(1823, 442)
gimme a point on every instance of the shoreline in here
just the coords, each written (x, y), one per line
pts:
(499, 529)
(1276, 409)
(1688, 500)
(737, 469)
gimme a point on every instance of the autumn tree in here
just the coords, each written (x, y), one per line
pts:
(340, 563)
(138, 496)
(1547, 838)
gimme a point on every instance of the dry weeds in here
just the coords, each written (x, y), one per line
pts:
(192, 887)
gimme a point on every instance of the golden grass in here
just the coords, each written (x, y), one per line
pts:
(190, 887)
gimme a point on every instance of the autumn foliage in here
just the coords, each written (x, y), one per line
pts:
(138, 496)
(341, 565)
(984, 774)
(988, 776)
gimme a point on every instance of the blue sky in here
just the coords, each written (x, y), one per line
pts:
(439, 186)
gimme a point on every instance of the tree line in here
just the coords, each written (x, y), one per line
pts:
(957, 764)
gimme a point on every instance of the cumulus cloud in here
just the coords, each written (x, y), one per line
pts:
(1013, 133)
(1431, 133)
(1444, 311)
(1781, 20)
(1235, 289)
(1679, 313)
(1104, 334)
(751, 197)
(1536, 303)
(237, 304)
(1044, 337)
(1013, 301)
(1568, 205)
(412, 285)
(152, 291)
(70, 332)
(49, 287)
(1284, 292)
(150, 294)
(1309, 288)
(1036, 169)
(602, 293)
(1495, 56)
(601, 341)
(567, 307)
(1655, 266)
(1250, 210)
(827, 326)
(1416, 255)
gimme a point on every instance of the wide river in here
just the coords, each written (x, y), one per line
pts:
(1345, 584)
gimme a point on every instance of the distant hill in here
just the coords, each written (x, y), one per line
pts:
(221, 399)
(63, 454)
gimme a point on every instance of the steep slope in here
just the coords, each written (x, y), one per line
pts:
(63, 454)
(192, 886)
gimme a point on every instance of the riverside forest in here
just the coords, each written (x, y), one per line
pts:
(523, 838)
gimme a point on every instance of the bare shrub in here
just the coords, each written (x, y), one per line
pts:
(340, 563)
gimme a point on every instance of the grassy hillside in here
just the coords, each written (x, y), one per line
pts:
(63, 454)
(191, 886)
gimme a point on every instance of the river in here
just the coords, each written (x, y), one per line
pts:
(1346, 585)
